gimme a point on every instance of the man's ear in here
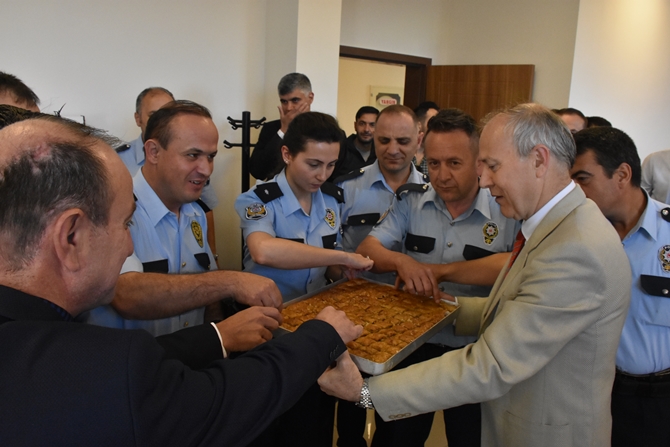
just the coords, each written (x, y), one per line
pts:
(138, 120)
(71, 237)
(623, 174)
(540, 158)
(311, 97)
(151, 148)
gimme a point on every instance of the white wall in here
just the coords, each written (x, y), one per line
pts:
(456, 32)
(95, 57)
(622, 68)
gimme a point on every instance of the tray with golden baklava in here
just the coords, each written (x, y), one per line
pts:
(395, 323)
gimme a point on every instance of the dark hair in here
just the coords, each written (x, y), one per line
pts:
(41, 183)
(423, 108)
(294, 81)
(598, 121)
(450, 120)
(21, 92)
(311, 126)
(11, 114)
(145, 92)
(365, 110)
(612, 147)
(158, 126)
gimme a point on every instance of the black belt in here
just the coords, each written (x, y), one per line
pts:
(643, 385)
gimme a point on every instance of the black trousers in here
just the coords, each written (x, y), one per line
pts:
(641, 411)
(463, 425)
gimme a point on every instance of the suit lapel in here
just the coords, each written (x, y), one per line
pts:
(555, 216)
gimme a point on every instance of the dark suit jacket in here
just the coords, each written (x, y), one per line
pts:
(67, 383)
(266, 161)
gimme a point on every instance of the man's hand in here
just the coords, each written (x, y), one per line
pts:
(249, 328)
(346, 328)
(286, 119)
(343, 381)
(418, 278)
(256, 290)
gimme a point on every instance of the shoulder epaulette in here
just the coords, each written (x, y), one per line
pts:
(665, 214)
(414, 187)
(333, 190)
(425, 178)
(352, 175)
(267, 192)
(122, 148)
(203, 205)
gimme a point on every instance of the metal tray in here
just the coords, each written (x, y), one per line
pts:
(368, 366)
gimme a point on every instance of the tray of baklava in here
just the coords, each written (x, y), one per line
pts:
(395, 323)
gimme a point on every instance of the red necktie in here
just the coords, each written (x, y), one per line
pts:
(518, 245)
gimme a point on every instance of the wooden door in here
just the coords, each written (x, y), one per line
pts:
(479, 89)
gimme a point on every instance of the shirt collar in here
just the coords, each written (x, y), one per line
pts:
(137, 146)
(528, 226)
(154, 206)
(289, 201)
(648, 220)
(18, 305)
(481, 203)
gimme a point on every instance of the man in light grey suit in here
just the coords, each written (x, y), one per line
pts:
(544, 363)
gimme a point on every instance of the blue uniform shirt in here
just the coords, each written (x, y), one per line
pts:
(645, 341)
(134, 157)
(282, 217)
(366, 197)
(163, 244)
(421, 223)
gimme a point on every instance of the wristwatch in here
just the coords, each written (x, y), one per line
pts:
(365, 400)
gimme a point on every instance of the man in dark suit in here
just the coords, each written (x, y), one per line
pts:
(67, 204)
(295, 97)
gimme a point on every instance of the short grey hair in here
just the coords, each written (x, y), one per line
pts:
(532, 124)
(145, 92)
(294, 81)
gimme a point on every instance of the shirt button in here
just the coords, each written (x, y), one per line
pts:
(415, 248)
(186, 324)
(452, 223)
(664, 291)
(362, 220)
(449, 244)
(334, 244)
(183, 264)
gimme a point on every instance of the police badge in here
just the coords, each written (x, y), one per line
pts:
(197, 232)
(664, 257)
(330, 218)
(256, 211)
(490, 231)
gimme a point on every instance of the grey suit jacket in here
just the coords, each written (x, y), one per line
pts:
(544, 364)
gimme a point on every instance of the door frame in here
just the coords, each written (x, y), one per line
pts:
(416, 70)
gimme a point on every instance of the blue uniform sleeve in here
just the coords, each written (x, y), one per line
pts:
(393, 224)
(255, 215)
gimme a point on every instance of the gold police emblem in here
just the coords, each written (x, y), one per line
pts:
(664, 257)
(490, 231)
(197, 232)
(330, 218)
(256, 211)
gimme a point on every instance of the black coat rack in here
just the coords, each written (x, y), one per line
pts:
(246, 124)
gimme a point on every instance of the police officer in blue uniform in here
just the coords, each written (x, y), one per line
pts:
(291, 227)
(368, 193)
(132, 154)
(453, 239)
(608, 169)
(169, 237)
